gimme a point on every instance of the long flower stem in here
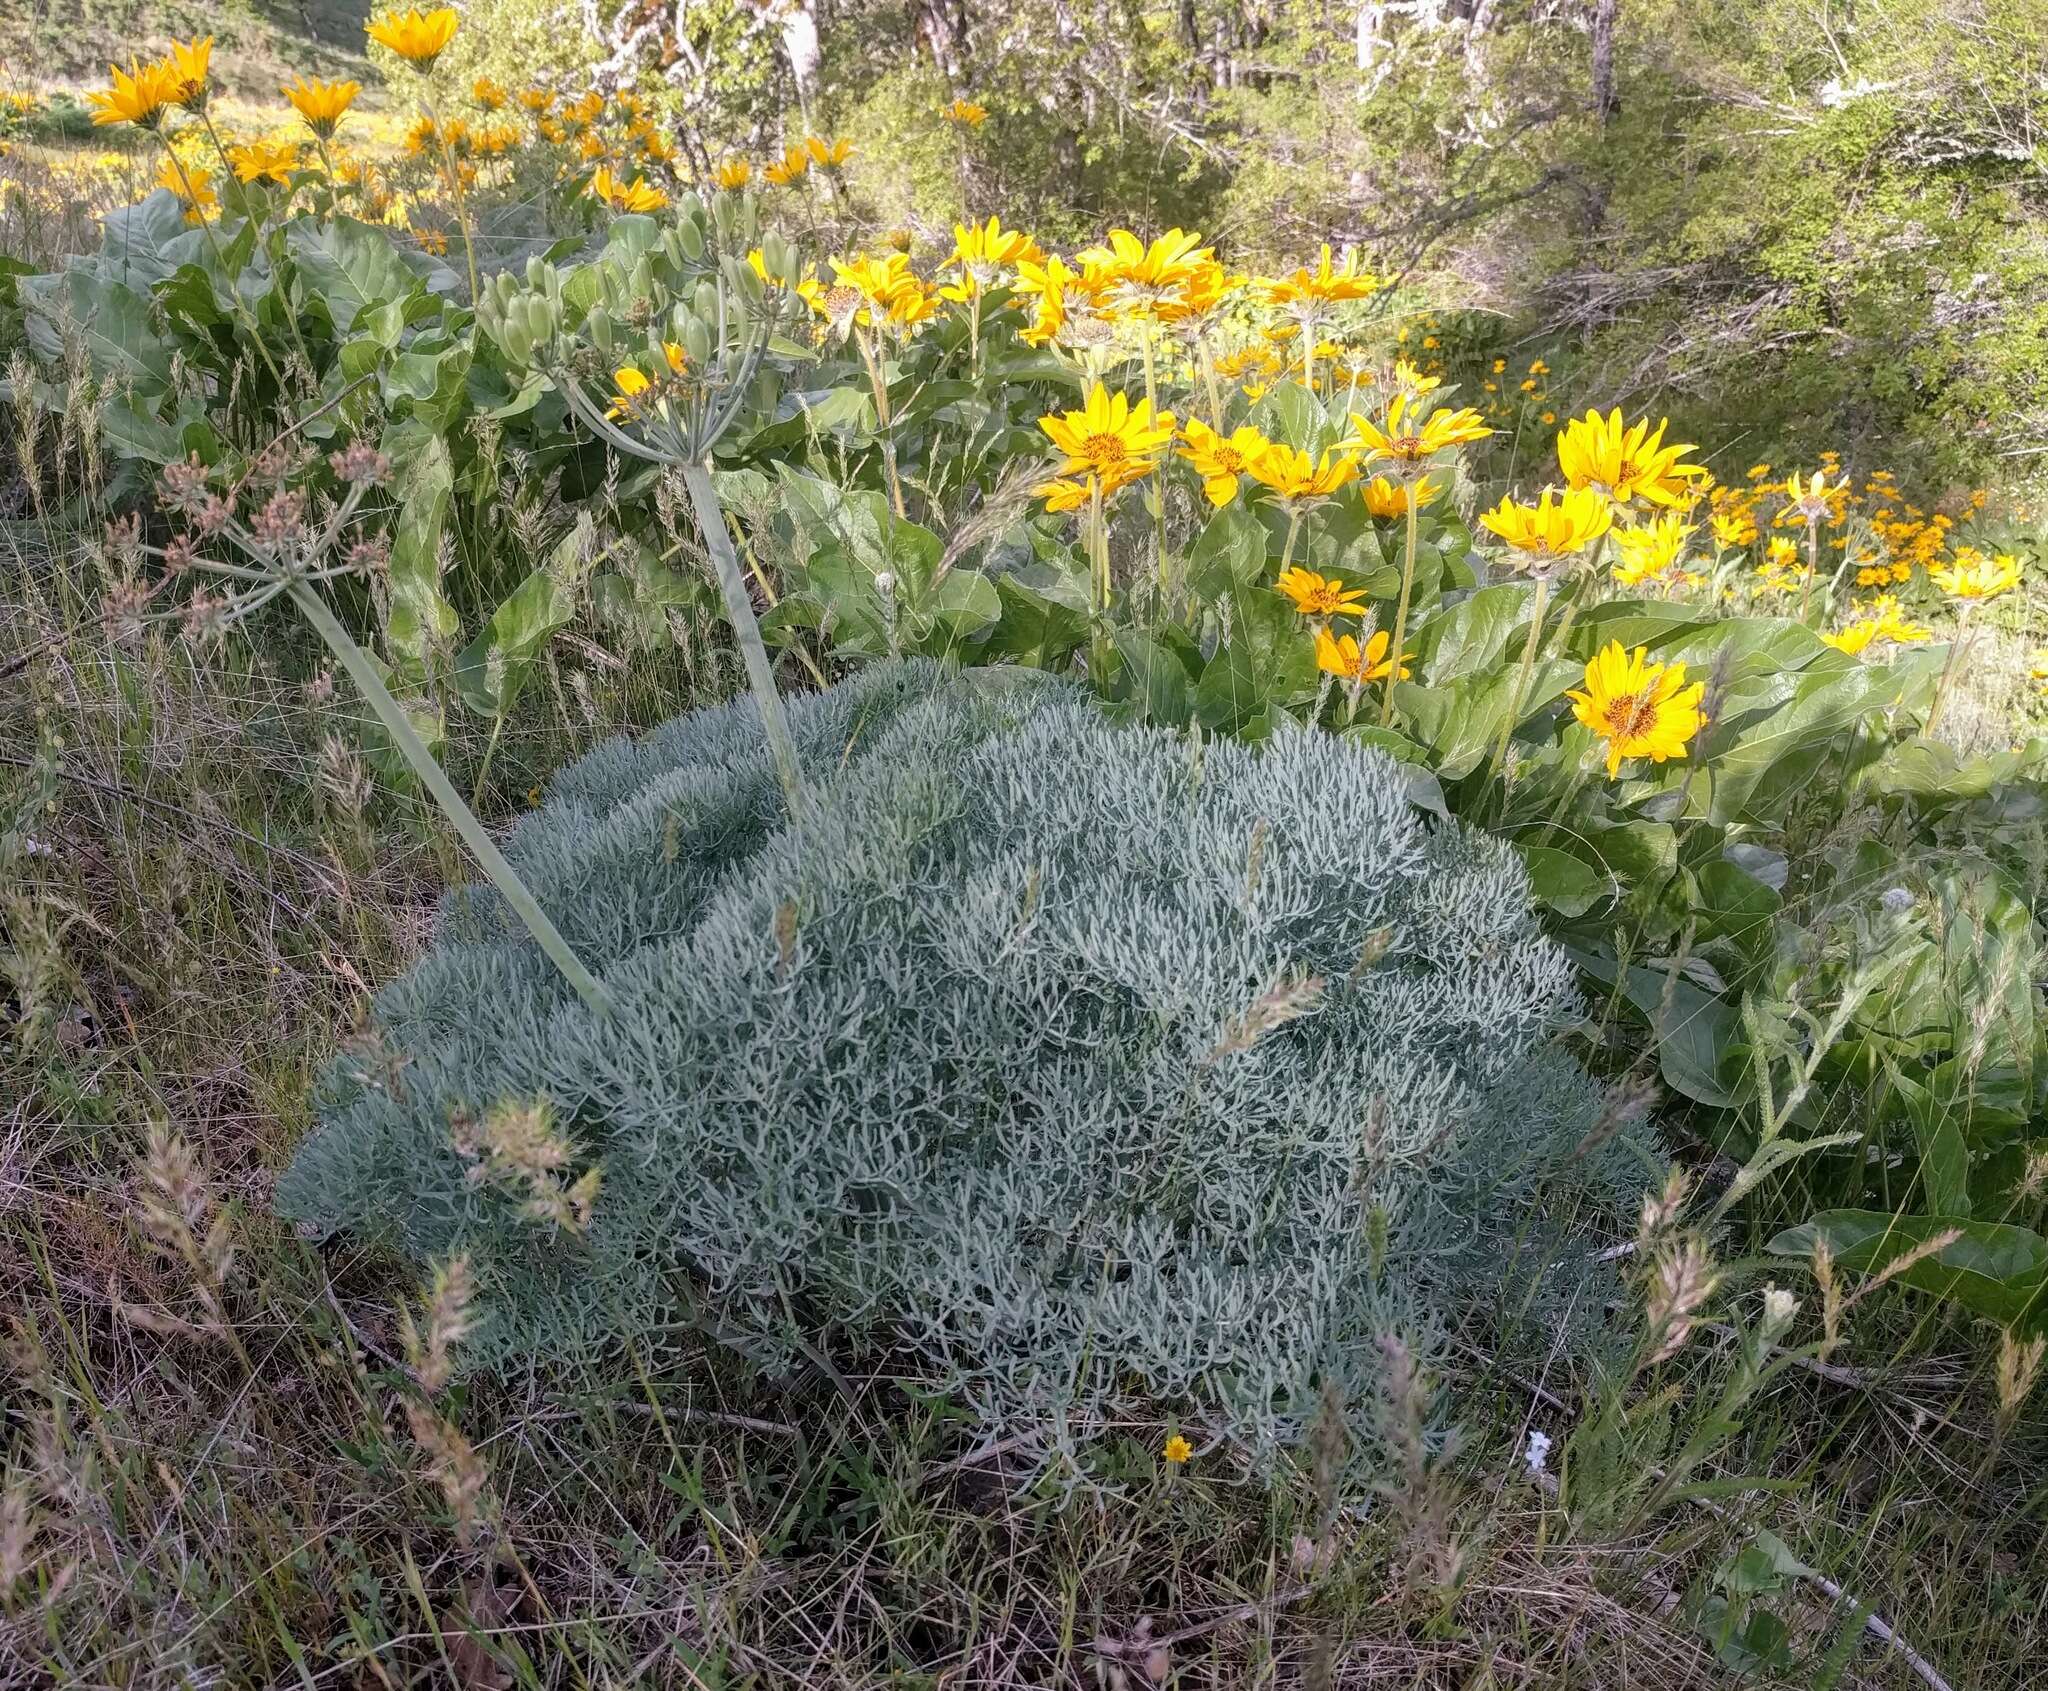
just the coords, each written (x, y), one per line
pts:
(885, 422)
(455, 189)
(1157, 492)
(1521, 687)
(1098, 571)
(1401, 612)
(1957, 647)
(241, 306)
(746, 628)
(1293, 529)
(399, 726)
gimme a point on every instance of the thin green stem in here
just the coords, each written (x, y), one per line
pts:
(455, 189)
(1293, 529)
(746, 628)
(220, 256)
(1156, 493)
(1956, 648)
(399, 726)
(883, 418)
(1520, 690)
(483, 770)
(1401, 611)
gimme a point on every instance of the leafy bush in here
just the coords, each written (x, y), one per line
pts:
(1087, 1064)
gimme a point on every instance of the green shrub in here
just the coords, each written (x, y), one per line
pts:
(1078, 1065)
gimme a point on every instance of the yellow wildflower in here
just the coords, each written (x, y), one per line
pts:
(415, 36)
(636, 195)
(1641, 709)
(1294, 476)
(1625, 463)
(1406, 441)
(321, 104)
(1550, 531)
(1342, 656)
(1109, 438)
(1219, 459)
(1320, 596)
(139, 95)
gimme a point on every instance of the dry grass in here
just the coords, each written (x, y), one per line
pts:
(226, 1461)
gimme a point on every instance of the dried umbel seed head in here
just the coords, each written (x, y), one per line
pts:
(123, 539)
(274, 464)
(211, 514)
(122, 607)
(207, 619)
(182, 487)
(180, 553)
(369, 555)
(360, 465)
(280, 520)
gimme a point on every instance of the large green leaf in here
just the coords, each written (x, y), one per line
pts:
(1563, 882)
(350, 267)
(1229, 553)
(1785, 727)
(421, 619)
(1991, 1268)
(1470, 635)
(1044, 617)
(1698, 1037)
(493, 669)
(1156, 679)
(109, 319)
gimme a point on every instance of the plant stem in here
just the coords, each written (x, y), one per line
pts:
(455, 188)
(1098, 570)
(483, 770)
(887, 424)
(1954, 660)
(1521, 687)
(746, 628)
(399, 726)
(1293, 529)
(1208, 357)
(241, 306)
(1157, 492)
(1400, 611)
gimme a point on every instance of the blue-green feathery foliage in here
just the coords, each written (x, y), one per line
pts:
(1072, 1065)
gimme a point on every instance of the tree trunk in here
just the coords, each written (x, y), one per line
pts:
(1604, 101)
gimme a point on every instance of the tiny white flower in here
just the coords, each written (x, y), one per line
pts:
(1537, 1451)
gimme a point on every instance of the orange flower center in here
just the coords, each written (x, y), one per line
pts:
(1630, 716)
(1105, 451)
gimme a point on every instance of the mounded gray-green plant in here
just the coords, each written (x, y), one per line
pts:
(1075, 1068)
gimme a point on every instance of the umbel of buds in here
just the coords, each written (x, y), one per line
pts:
(360, 465)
